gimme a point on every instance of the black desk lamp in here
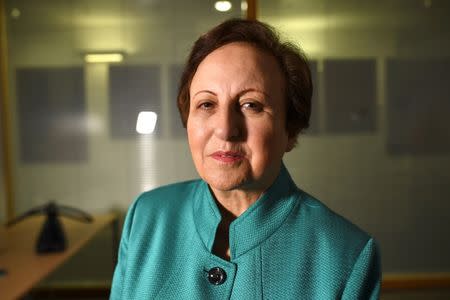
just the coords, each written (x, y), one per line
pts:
(52, 238)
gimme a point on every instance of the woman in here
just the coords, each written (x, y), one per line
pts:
(244, 231)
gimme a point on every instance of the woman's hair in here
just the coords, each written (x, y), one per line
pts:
(292, 62)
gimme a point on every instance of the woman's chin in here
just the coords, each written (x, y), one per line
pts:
(225, 183)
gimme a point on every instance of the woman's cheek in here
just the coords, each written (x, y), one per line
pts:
(197, 135)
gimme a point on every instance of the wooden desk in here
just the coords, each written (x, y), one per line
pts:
(24, 267)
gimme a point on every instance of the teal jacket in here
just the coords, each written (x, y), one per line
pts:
(287, 245)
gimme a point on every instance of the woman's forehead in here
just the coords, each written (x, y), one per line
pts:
(238, 63)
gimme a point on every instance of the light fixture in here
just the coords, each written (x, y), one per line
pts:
(222, 6)
(146, 122)
(107, 57)
(244, 5)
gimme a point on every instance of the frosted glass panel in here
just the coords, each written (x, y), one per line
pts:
(133, 89)
(418, 95)
(349, 96)
(51, 112)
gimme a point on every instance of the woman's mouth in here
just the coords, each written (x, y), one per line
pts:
(227, 156)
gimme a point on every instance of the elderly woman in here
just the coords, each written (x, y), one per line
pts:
(245, 230)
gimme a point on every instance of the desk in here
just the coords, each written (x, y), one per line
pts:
(24, 267)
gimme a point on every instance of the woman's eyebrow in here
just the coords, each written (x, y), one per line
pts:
(241, 93)
(205, 91)
(253, 90)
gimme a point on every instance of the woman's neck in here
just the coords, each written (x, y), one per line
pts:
(234, 202)
(231, 205)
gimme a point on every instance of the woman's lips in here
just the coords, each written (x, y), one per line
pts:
(227, 156)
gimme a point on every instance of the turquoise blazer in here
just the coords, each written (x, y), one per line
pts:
(287, 245)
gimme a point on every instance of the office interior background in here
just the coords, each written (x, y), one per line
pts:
(377, 152)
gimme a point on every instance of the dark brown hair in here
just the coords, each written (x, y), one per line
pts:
(293, 64)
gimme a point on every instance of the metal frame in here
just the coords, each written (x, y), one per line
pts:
(8, 179)
(252, 9)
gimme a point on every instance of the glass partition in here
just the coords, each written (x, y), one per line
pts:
(379, 148)
(74, 122)
(74, 137)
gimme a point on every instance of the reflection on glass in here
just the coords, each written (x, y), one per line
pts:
(146, 122)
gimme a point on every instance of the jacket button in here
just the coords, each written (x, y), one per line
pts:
(217, 276)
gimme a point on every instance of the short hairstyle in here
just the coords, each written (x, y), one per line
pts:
(292, 62)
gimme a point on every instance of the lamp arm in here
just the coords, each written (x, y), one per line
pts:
(31, 212)
(75, 213)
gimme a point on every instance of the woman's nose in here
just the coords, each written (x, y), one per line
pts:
(229, 124)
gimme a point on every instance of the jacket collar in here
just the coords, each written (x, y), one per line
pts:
(256, 224)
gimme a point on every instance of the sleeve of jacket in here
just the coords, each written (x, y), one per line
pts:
(365, 279)
(119, 272)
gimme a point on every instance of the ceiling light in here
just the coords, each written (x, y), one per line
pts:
(244, 5)
(103, 57)
(222, 6)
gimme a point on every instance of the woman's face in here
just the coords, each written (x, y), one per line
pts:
(236, 124)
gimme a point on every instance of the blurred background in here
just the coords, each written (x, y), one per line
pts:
(377, 152)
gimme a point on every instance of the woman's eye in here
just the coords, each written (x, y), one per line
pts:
(252, 106)
(206, 105)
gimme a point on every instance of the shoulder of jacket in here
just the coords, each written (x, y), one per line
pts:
(161, 204)
(328, 223)
(168, 196)
(167, 193)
